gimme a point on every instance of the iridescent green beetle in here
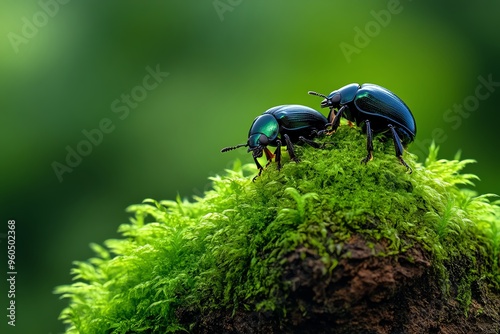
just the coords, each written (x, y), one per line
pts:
(293, 124)
(377, 110)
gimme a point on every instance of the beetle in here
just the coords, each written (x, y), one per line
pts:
(374, 108)
(293, 124)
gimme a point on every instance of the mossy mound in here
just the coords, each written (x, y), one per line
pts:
(300, 248)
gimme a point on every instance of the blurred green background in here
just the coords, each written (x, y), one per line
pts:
(63, 66)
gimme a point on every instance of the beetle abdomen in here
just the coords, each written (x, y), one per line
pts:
(377, 101)
(294, 117)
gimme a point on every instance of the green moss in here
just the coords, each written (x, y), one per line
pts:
(226, 249)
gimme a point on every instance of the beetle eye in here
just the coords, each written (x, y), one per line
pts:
(335, 99)
(263, 140)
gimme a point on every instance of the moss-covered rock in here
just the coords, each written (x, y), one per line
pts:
(324, 245)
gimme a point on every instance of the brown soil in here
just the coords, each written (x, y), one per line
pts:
(364, 294)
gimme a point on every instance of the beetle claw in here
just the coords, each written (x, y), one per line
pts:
(408, 168)
(369, 157)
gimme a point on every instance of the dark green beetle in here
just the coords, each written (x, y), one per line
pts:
(377, 110)
(293, 124)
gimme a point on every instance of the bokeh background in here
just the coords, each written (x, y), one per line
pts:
(228, 61)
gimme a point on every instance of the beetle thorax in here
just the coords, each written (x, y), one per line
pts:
(265, 125)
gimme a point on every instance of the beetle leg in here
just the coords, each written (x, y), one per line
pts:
(369, 143)
(277, 154)
(336, 120)
(269, 156)
(321, 133)
(310, 142)
(399, 148)
(290, 149)
(259, 167)
(330, 118)
(315, 134)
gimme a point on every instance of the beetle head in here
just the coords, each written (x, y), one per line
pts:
(331, 101)
(256, 144)
(263, 131)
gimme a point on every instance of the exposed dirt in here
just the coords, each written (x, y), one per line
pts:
(364, 294)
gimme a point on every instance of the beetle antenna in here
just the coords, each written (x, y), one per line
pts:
(317, 94)
(230, 148)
